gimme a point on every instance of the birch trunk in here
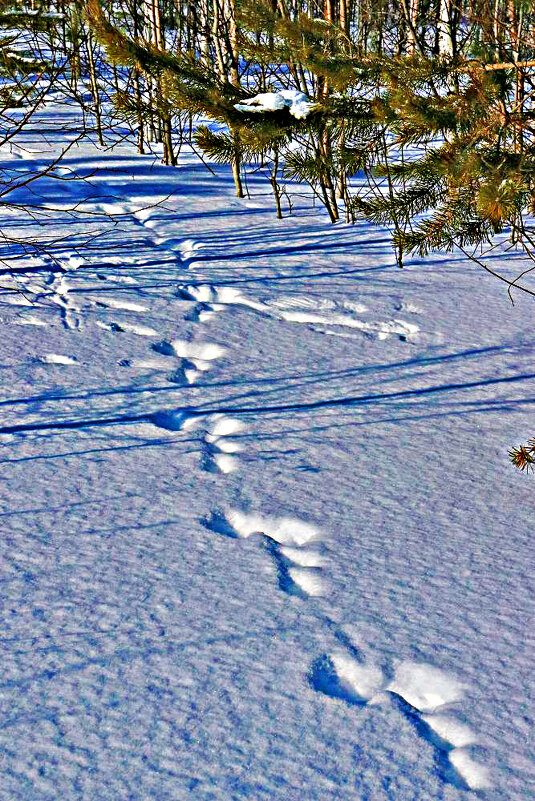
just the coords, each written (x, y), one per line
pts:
(445, 41)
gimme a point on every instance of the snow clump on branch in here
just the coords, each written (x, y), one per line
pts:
(297, 102)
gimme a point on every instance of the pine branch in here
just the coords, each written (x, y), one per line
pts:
(404, 205)
(523, 457)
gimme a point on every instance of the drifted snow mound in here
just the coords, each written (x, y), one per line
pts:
(297, 102)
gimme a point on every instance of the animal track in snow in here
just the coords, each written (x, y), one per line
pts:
(196, 351)
(424, 690)
(70, 312)
(187, 248)
(121, 305)
(155, 226)
(209, 300)
(340, 675)
(296, 308)
(424, 695)
(58, 358)
(203, 312)
(301, 309)
(195, 357)
(284, 530)
(287, 540)
(176, 420)
(140, 330)
(220, 451)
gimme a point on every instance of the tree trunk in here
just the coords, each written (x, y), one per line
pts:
(412, 8)
(229, 14)
(94, 89)
(164, 120)
(445, 41)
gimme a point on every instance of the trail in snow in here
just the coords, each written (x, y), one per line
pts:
(188, 579)
(420, 691)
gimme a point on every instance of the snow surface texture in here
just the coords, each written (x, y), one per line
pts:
(249, 548)
(298, 104)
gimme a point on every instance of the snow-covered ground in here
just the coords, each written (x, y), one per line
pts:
(260, 535)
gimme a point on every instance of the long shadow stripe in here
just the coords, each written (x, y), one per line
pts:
(278, 408)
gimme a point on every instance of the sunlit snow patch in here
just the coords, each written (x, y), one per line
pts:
(58, 358)
(285, 530)
(309, 582)
(475, 775)
(450, 730)
(224, 426)
(425, 687)
(201, 351)
(29, 321)
(225, 463)
(303, 558)
(227, 445)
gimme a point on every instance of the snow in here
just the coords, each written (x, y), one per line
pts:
(302, 573)
(298, 104)
(424, 687)
(57, 358)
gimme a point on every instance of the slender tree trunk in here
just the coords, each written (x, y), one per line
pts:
(275, 184)
(344, 16)
(445, 42)
(164, 119)
(94, 89)
(137, 89)
(229, 18)
(496, 26)
(411, 8)
(236, 171)
(139, 110)
(204, 38)
(75, 58)
(515, 26)
(216, 19)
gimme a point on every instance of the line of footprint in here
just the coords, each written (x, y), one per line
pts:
(426, 696)
(423, 694)
(220, 449)
(296, 308)
(429, 698)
